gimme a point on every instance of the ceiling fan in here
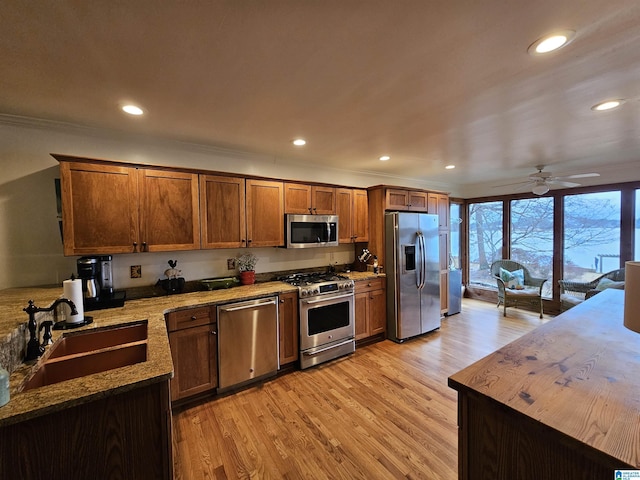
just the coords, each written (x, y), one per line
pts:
(541, 181)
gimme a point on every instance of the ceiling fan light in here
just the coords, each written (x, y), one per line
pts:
(540, 189)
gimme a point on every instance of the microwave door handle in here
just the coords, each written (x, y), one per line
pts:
(328, 239)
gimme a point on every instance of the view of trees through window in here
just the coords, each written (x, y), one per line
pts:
(485, 241)
(532, 237)
(591, 235)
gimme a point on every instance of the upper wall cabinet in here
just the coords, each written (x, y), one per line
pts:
(406, 200)
(222, 207)
(265, 213)
(118, 209)
(352, 208)
(309, 199)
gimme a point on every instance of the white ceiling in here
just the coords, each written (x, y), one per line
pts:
(429, 83)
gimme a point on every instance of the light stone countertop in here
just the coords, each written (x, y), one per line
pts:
(158, 367)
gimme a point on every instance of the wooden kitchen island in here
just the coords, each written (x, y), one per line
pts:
(562, 402)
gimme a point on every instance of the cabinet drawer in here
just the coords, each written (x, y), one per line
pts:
(369, 285)
(191, 317)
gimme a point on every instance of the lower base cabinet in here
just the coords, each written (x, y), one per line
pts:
(288, 327)
(194, 351)
(127, 435)
(371, 308)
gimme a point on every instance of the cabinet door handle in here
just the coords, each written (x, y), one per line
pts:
(213, 332)
(249, 241)
(193, 317)
(144, 247)
(281, 301)
(135, 246)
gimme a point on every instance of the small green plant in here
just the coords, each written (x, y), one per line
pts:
(246, 262)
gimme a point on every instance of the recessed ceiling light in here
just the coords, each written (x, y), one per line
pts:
(132, 109)
(299, 142)
(551, 42)
(450, 167)
(608, 105)
(384, 158)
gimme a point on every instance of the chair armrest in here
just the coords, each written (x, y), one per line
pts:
(591, 293)
(581, 287)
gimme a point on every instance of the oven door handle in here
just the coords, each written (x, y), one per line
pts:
(321, 300)
(244, 307)
(330, 347)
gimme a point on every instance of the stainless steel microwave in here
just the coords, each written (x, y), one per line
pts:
(309, 231)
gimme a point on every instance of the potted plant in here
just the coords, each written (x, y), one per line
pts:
(246, 266)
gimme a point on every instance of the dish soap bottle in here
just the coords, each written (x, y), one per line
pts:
(4, 387)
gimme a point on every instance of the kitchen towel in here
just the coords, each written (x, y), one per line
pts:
(72, 290)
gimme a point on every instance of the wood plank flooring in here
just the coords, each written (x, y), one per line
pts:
(384, 412)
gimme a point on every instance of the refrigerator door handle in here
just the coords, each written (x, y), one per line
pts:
(421, 260)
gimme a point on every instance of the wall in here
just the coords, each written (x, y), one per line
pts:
(30, 240)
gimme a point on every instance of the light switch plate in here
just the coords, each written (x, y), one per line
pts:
(231, 263)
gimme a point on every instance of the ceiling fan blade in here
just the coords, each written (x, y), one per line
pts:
(563, 183)
(577, 175)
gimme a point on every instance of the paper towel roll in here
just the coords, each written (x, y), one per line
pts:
(72, 290)
(632, 296)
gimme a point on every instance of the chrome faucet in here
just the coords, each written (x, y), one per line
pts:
(34, 349)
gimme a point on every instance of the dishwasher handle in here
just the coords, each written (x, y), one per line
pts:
(245, 307)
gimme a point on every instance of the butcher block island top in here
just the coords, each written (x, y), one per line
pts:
(574, 380)
(158, 367)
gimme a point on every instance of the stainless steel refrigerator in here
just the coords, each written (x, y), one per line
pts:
(413, 274)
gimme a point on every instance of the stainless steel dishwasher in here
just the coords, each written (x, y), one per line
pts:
(247, 341)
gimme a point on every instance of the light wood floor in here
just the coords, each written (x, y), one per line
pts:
(383, 412)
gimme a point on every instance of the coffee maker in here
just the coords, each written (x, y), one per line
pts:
(96, 274)
(89, 271)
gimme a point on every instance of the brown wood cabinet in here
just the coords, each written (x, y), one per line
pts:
(406, 200)
(222, 207)
(289, 328)
(110, 208)
(309, 199)
(265, 213)
(370, 308)
(194, 350)
(352, 208)
(169, 215)
(127, 435)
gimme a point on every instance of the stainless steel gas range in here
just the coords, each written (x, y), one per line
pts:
(327, 316)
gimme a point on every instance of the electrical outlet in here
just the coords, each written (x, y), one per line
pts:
(231, 263)
(135, 271)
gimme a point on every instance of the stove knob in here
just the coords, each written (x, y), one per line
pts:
(315, 291)
(303, 293)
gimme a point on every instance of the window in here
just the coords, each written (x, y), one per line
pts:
(532, 237)
(454, 246)
(591, 235)
(636, 232)
(485, 241)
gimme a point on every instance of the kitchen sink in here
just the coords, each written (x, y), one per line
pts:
(92, 352)
(98, 339)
